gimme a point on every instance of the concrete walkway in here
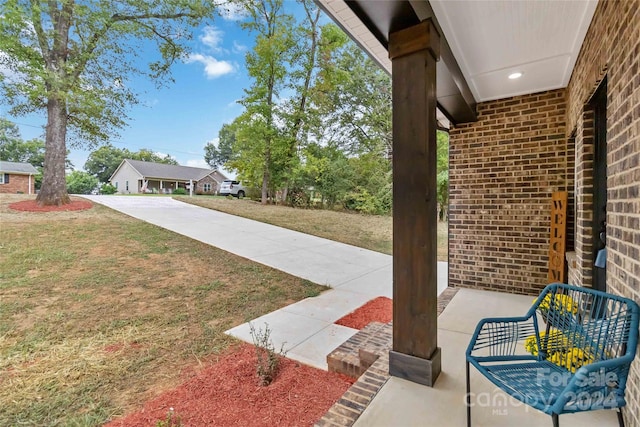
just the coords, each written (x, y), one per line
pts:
(306, 328)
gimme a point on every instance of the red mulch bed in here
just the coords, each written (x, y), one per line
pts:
(32, 206)
(377, 310)
(227, 394)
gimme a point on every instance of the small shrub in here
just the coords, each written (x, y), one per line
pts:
(362, 201)
(108, 189)
(268, 360)
(254, 193)
(180, 191)
(298, 198)
(79, 182)
(171, 420)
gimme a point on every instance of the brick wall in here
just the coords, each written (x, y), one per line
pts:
(612, 49)
(584, 154)
(503, 169)
(18, 183)
(206, 180)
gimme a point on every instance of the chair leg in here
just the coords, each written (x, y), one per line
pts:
(620, 418)
(468, 397)
(554, 418)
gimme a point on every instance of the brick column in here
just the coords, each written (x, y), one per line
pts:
(415, 355)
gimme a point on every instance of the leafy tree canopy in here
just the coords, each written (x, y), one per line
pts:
(104, 161)
(75, 61)
(14, 149)
(90, 65)
(331, 134)
(217, 156)
(147, 155)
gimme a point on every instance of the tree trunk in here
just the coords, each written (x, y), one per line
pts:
(311, 64)
(265, 186)
(267, 153)
(54, 183)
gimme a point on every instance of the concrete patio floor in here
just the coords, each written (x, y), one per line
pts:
(403, 403)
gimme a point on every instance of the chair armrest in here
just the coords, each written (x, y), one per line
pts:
(500, 335)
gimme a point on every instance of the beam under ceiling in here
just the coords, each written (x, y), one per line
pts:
(369, 24)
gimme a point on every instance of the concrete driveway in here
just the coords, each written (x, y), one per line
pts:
(356, 275)
(319, 260)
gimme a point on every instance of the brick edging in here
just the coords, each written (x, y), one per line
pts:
(371, 344)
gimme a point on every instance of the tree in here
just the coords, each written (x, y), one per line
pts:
(218, 156)
(79, 182)
(31, 151)
(266, 65)
(72, 60)
(327, 171)
(307, 43)
(353, 98)
(9, 132)
(147, 155)
(104, 161)
(442, 161)
(14, 149)
(372, 184)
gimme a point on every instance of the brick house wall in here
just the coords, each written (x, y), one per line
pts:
(206, 180)
(503, 169)
(612, 49)
(18, 183)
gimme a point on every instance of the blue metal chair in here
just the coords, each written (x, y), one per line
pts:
(583, 344)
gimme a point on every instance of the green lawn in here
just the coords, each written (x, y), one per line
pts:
(100, 311)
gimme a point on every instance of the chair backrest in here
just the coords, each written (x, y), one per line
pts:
(597, 325)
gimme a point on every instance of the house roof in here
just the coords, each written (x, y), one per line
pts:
(483, 43)
(168, 172)
(18, 168)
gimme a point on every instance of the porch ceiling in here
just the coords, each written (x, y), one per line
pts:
(492, 39)
(485, 41)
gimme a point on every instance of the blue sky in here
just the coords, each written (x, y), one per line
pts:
(181, 118)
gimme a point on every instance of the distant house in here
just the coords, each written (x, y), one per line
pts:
(17, 177)
(137, 177)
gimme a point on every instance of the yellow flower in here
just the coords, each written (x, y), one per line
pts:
(559, 350)
(556, 341)
(561, 302)
(572, 359)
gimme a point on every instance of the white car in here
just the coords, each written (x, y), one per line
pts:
(234, 188)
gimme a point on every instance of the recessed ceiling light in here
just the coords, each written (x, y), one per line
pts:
(514, 76)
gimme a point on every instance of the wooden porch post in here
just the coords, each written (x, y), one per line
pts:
(415, 355)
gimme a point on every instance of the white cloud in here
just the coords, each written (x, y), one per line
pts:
(212, 37)
(229, 10)
(234, 103)
(238, 47)
(212, 67)
(213, 141)
(151, 102)
(198, 163)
